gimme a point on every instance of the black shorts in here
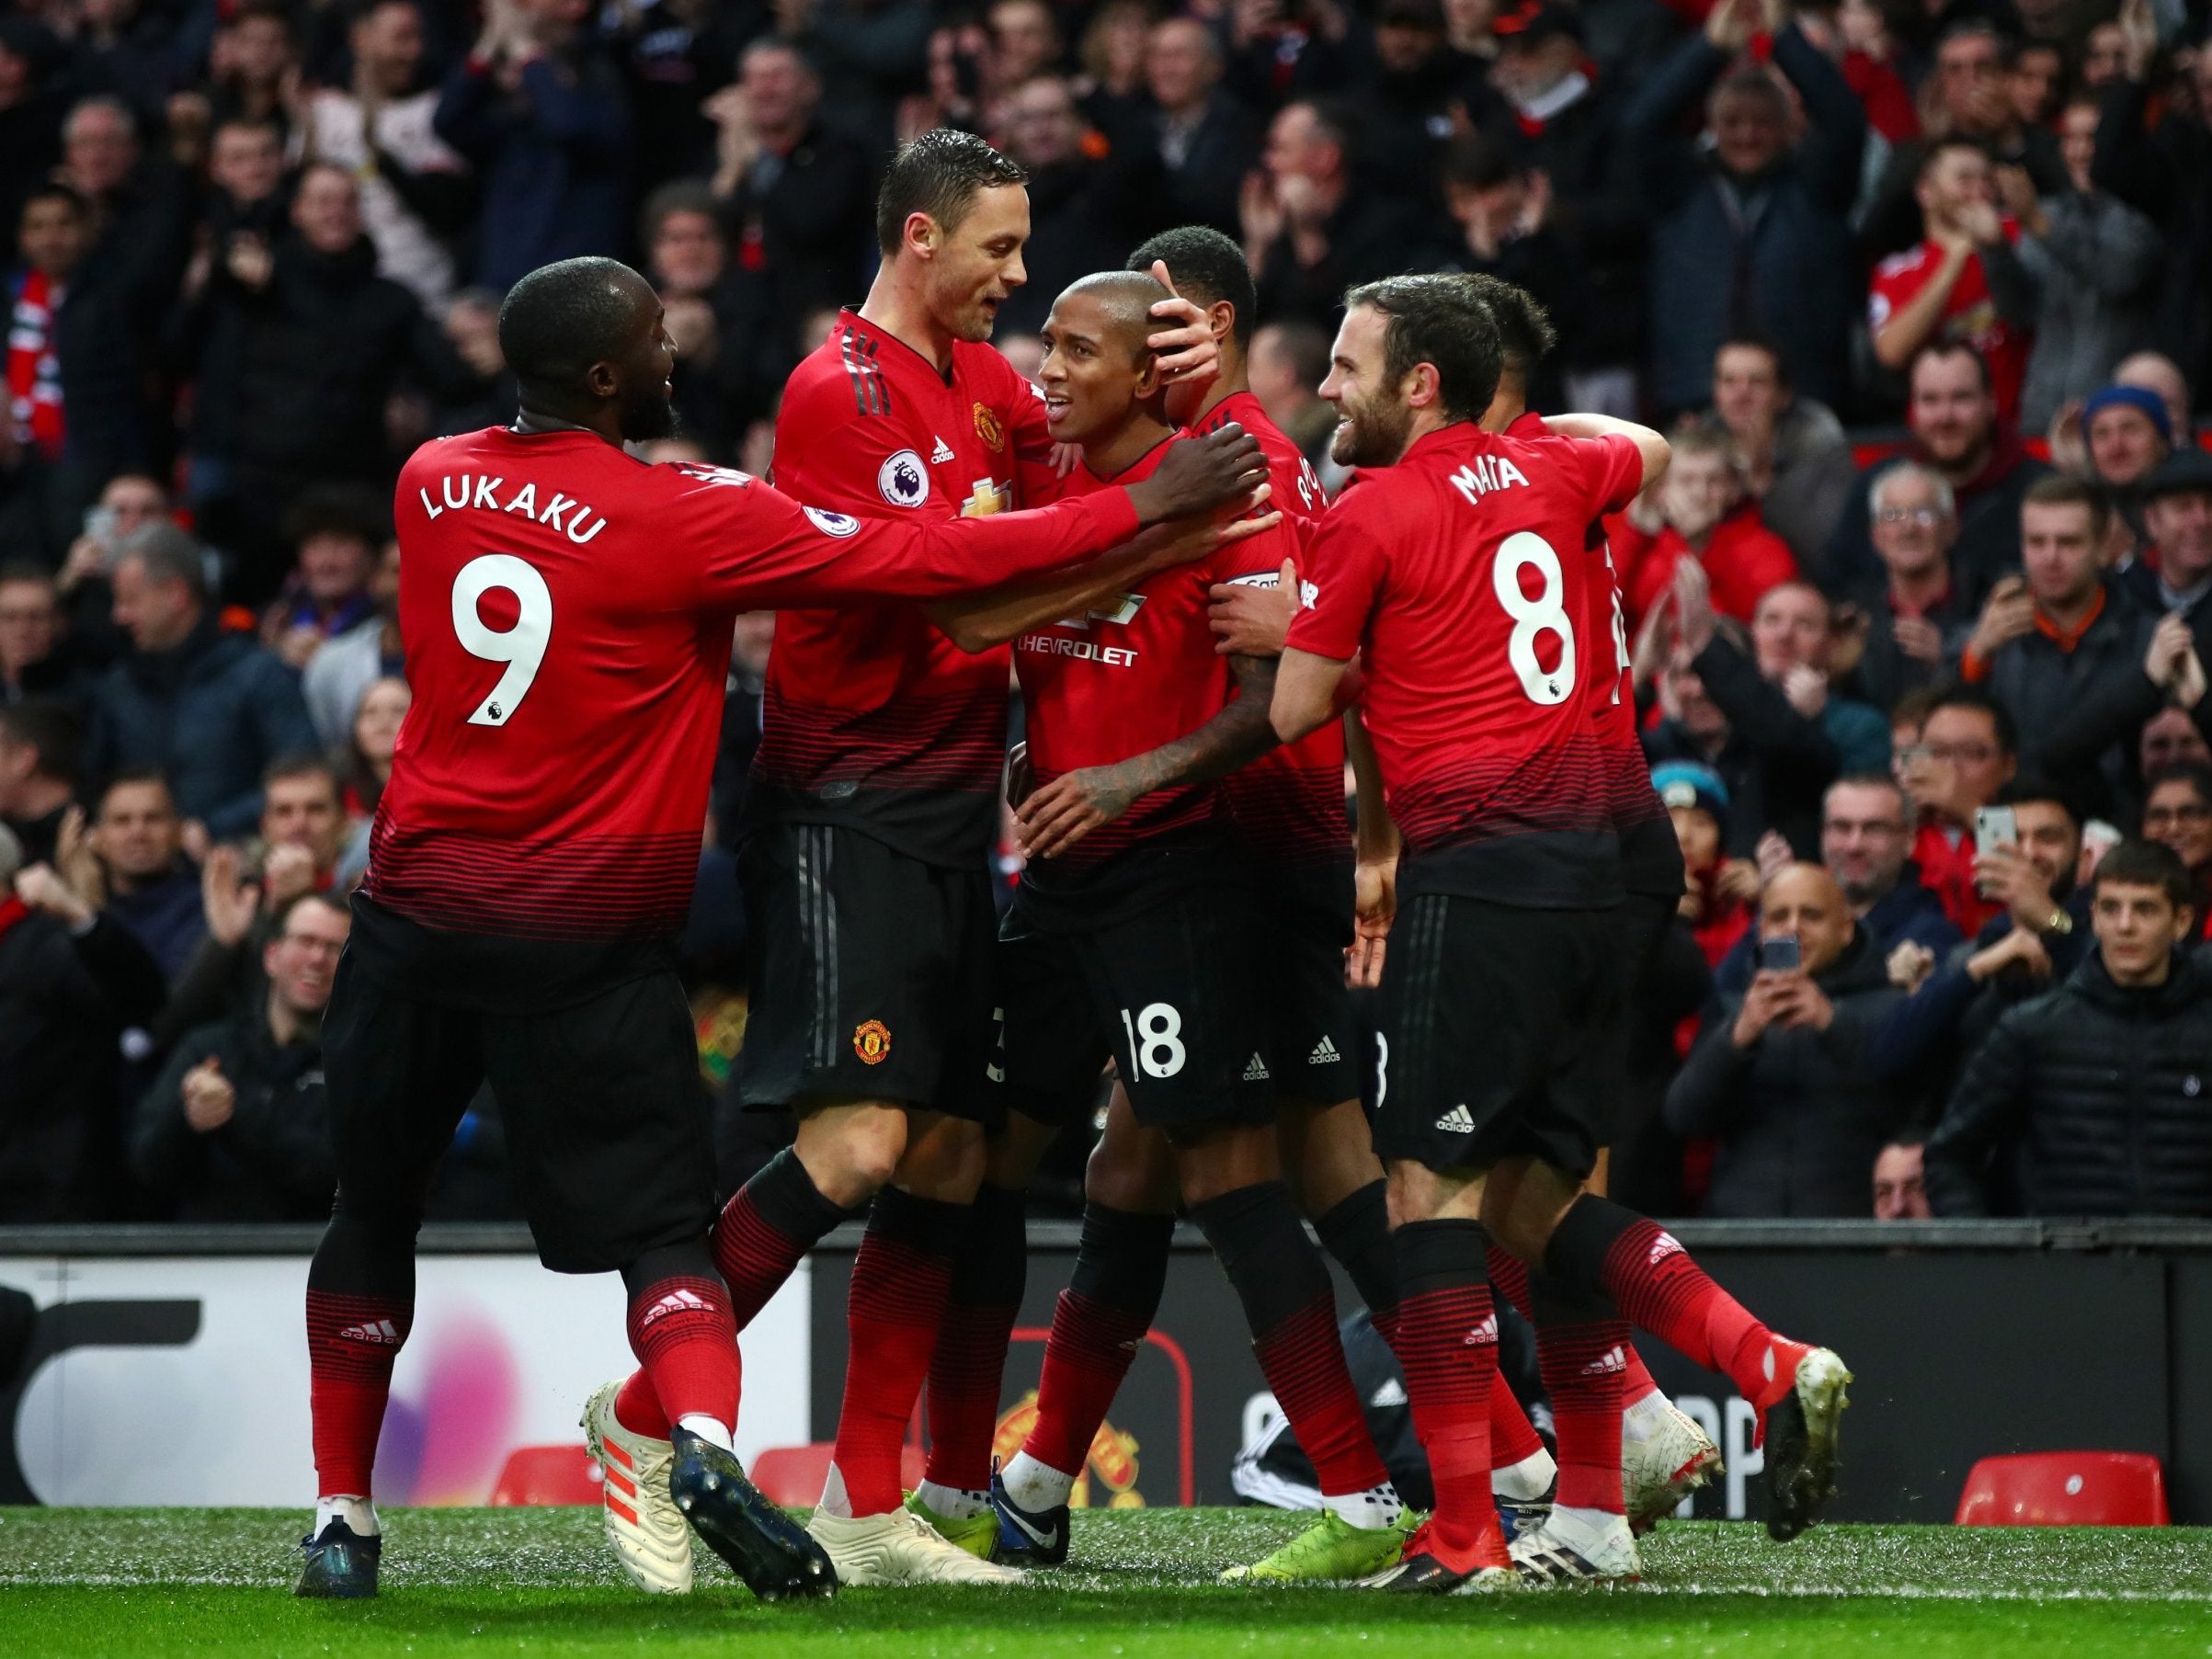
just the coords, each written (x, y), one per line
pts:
(1642, 921)
(605, 1115)
(1163, 993)
(872, 974)
(1497, 1033)
(1301, 927)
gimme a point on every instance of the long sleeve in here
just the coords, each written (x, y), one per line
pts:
(1831, 153)
(1707, 1094)
(164, 1147)
(1652, 118)
(1782, 737)
(582, 109)
(467, 116)
(1991, 1097)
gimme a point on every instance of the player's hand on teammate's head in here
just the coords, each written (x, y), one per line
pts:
(1223, 469)
(1251, 620)
(1187, 349)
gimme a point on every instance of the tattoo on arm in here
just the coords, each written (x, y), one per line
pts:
(1236, 736)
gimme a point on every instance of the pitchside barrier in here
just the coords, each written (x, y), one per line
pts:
(1970, 1338)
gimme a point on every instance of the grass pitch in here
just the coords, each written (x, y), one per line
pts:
(502, 1581)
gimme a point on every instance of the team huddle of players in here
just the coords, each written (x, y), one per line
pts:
(1189, 909)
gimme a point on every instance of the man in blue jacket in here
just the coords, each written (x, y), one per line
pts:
(208, 711)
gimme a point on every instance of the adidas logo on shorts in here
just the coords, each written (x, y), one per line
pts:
(1256, 1071)
(1458, 1121)
(1324, 1052)
(381, 1332)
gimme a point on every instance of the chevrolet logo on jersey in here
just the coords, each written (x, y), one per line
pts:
(985, 498)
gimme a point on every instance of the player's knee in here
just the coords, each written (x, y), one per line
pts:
(943, 1159)
(851, 1151)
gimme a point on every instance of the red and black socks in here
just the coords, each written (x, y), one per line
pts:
(899, 1280)
(969, 1361)
(1581, 1351)
(1448, 1345)
(1099, 1322)
(1356, 1231)
(685, 1338)
(360, 1304)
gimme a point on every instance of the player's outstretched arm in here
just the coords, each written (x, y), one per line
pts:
(1069, 808)
(979, 621)
(1650, 445)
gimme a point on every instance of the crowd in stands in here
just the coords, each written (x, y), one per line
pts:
(1920, 617)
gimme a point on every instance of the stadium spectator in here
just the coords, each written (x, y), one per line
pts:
(236, 1128)
(140, 875)
(1085, 210)
(2177, 813)
(1720, 890)
(2091, 1097)
(1288, 363)
(298, 348)
(254, 65)
(870, 53)
(1865, 835)
(246, 165)
(41, 747)
(2046, 640)
(2170, 739)
(1963, 281)
(303, 828)
(2037, 934)
(796, 189)
(1780, 1076)
(1701, 514)
(1411, 92)
(365, 767)
(1722, 712)
(1796, 460)
(539, 111)
(2154, 371)
(1310, 231)
(2154, 153)
(208, 710)
(1749, 225)
(2126, 434)
(343, 669)
(35, 663)
(1956, 430)
(1792, 635)
(58, 1024)
(488, 396)
(337, 531)
(1968, 751)
(30, 111)
(417, 195)
(1501, 208)
(1206, 139)
(1909, 627)
(1900, 1189)
(2094, 261)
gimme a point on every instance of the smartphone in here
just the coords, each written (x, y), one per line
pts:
(1996, 826)
(1780, 956)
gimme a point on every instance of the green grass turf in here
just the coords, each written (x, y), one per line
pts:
(484, 1581)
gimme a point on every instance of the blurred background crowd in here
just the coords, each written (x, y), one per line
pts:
(1920, 616)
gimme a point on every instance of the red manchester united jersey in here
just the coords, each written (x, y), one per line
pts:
(1461, 574)
(1132, 675)
(1652, 858)
(1289, 804)
(567, 613)
(873, 718)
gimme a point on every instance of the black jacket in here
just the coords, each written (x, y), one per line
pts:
(1776, 763)
(2103, 1093)
(272, 1161)
(2045, 687)
(1799, 1114)
(1369, 237)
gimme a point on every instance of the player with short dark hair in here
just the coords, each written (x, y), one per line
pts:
(567, 611)
(868, 827)
(1130, 939)
(1497, 1065)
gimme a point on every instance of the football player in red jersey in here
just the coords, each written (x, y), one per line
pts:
(1665, 1456)
(566, 610)
(1442, 569)
(1127, 941)
(868, 825)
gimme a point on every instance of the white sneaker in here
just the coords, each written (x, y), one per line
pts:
(901, 1548)
(1667, 1466)
(1569, 1548)
(643, 1525)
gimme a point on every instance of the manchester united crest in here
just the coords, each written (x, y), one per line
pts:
(989, 429)
(872, 1041)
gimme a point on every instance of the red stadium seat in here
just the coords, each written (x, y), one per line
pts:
(2065, 1489)
(792, 1475)
(548, 1474)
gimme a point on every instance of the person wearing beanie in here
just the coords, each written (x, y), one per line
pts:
(2128, 432)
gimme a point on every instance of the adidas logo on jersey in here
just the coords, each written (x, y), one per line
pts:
(1663, 1246)
(1324, 1052)
(1605, 1364)
(1484, 1334)
(1256, 1071)
(1458, 1121)
(676, 1301)
(942, 454)
(381, 1332)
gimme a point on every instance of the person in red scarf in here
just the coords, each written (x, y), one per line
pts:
(1702, 512)
(52, 234)
(1969, 750)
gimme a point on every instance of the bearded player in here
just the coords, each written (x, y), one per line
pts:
(1444, 571)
